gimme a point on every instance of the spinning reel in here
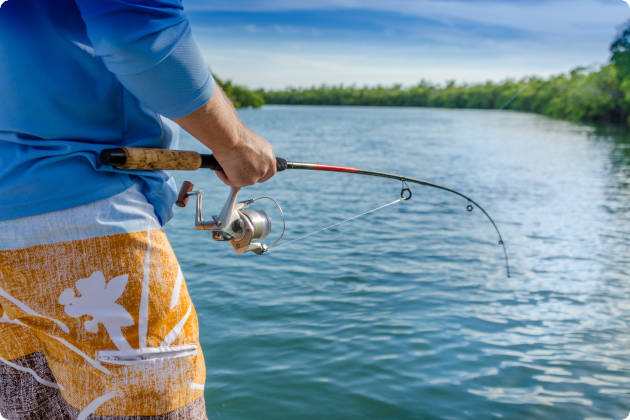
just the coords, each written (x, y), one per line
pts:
(235, 223)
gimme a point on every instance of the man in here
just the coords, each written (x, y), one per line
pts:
(95, 318)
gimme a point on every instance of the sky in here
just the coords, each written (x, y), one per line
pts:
(301, 43)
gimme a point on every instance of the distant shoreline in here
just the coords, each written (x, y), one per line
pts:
(580, 96)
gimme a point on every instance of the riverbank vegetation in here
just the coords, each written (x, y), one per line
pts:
(579, 96)
(240, 96)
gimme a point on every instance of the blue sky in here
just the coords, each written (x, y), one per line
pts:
(280, 43)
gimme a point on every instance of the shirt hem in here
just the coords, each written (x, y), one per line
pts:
(63, 203)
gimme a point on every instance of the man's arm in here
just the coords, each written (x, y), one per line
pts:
(245, 157)
(148, 46)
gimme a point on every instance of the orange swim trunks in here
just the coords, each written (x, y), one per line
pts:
(95, 317)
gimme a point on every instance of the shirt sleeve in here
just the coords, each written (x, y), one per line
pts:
(148, 45)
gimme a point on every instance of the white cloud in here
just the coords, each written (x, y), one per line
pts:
(300, 68)
(551, 37)
(558, 16)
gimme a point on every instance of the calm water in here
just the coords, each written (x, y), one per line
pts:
(407, 313)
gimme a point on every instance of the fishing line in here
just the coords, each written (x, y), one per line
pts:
(406, 190)
(291, 241)
(509, 101)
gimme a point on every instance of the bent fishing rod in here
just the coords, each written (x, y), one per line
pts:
(236, 224)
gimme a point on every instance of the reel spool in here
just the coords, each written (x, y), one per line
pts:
(235, 224)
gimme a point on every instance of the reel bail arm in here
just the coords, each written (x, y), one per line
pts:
(234, 224)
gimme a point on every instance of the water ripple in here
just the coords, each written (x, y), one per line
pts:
(407, 313)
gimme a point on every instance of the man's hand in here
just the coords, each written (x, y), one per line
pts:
(250, 161)
(246, 158)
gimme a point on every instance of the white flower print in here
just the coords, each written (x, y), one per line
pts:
(97, 298)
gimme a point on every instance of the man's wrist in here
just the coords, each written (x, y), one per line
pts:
(215, 124)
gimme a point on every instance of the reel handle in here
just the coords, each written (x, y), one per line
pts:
(184, 194)
(143, 159)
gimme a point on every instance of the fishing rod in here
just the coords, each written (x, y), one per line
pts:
(236, 224)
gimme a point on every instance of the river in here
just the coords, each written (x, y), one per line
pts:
(407, 313)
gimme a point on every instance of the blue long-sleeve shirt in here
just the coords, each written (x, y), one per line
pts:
(78, 76)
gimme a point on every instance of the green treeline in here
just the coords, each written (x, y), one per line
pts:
(578, 96)
(590, 95)
(240, 96)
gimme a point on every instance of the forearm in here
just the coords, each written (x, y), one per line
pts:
(246, 157)
(215, 124)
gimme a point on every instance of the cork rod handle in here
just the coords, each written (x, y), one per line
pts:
(145, 159)
(140, 158)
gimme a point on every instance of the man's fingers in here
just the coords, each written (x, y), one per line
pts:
(221, 175)
(270, 173)
(244, 166)
(235, 182)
